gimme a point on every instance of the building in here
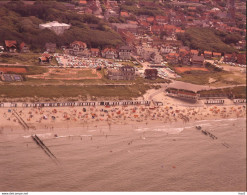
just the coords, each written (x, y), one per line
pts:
(10, 77)
(94, 52)
(207, 54)
(24, 48)
(50, 47)
(241, 58)
(55, 26)
(194, 52)
(78, 48)
(1, 49)
(125, 26)
(197, 60)
(109, 53)
(151, 74)
(122, 73)
(125, 52)
(230, 57)
(156, 58)
(172, 58)
(217, 55)
(11, 46)
(45, 58)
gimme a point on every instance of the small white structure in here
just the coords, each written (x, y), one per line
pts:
(55, 26)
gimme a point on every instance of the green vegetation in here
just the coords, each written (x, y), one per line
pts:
(206, 39)
(213, 78)
(124, 92)
(235, 92)
(21, 22)
(130, 6)
(20, 58)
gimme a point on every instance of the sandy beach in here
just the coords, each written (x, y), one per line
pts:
(125, 148)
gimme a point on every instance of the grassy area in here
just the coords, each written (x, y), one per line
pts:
(221, 78)
(33, 70)
(20, 58)
(235, 92)
(123, 92)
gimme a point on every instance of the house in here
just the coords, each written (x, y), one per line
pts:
(230, 57)
(124, 14)
(217, 55)
(168, 49)
(125, 52)
(50, 47)
(94, 52)
(109, 53)
(45, 58)
(156, 58)
(207, 54)
(156, 29)
(78, 48)
(197, 60)
(11, 46)
(150, 19)
(82, 2)
(151, 74)
(146, 53)
(241, 58)
(161, 19)
(24, 48)
(172, 58)
(122, 73)
(78, 45)
(1, 49)
(184, 56)
(194, 52)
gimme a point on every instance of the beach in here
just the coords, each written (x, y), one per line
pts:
(125, 148)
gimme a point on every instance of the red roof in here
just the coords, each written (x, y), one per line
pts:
(143, 23)
(83, 2)
(22, 45)
(109, 49)
(80, 43)
(94, 50)
(216, 54)
(124, 14)
(10, 43)
(160, 18)
(46, 55)
(194, 51)
(150, 19)
(208, 52)
(173, 55)
(170, 27)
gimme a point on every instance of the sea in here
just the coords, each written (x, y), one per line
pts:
(140, 157)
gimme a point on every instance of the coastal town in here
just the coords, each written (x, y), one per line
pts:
(87, 70)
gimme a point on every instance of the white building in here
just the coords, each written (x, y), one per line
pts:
(55, 26)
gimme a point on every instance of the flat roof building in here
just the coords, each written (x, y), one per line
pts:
(55, 26)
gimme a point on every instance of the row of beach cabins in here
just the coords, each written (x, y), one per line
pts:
(235, 101)
(68, 104)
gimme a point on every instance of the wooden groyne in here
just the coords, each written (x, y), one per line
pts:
(41, 144)
(21, 121)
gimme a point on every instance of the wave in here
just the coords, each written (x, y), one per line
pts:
(64, 136)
